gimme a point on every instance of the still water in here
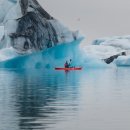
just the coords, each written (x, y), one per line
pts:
(95, 99)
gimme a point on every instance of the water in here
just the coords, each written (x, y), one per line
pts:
(94, 99)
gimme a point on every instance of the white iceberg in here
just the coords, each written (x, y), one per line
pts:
(123, 61)
(110, 47)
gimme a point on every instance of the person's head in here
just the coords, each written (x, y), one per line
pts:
(70, 59)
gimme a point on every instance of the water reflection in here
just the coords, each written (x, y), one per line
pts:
(40, 99)
(96, 99)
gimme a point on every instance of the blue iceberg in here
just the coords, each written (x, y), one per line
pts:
(31, 38)
(49, 58)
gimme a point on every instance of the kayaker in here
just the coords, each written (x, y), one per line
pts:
(70, 63)
(66, 65)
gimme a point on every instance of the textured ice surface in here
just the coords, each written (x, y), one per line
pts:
(118, 42)
(27, 31)
(49, 58)
(29, 28)
(106, 47)
(123, 61)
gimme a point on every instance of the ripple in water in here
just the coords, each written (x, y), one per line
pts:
(50, 100)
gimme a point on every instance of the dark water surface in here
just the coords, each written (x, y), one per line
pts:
(50, 100)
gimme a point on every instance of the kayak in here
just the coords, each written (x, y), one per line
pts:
(67, 69)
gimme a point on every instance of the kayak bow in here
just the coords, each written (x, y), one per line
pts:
(67, 69)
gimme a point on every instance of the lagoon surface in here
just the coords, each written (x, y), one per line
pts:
(94, 99)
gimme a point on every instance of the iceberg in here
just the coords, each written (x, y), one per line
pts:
(48, 59)
(29, 34)
(31, 38)
(115, 50)
(122, 43)
(29, 28)
(123, 61)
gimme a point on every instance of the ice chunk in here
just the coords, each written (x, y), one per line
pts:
(116, 41)
(7, 53)
(123, 61)
(100, 51)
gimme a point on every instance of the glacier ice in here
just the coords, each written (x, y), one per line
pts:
(120, 42)
(123, 61)
(27, 30)
(7, 53)
(32, 38)
(5, 6)
(49, 58)
(112, 46)
(52, 57)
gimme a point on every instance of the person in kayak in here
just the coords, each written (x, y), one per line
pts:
(71, 64)
(66, 65)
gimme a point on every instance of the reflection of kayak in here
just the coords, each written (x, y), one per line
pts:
(67, 69)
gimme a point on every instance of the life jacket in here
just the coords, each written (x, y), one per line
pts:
(65, 65)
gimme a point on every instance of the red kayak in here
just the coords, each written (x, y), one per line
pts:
(67, 69)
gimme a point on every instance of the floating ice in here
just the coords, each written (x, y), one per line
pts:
(49, 58)
(118, 42)
(112, 46)
(123, 61)
(28, 31)
(32, 38)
